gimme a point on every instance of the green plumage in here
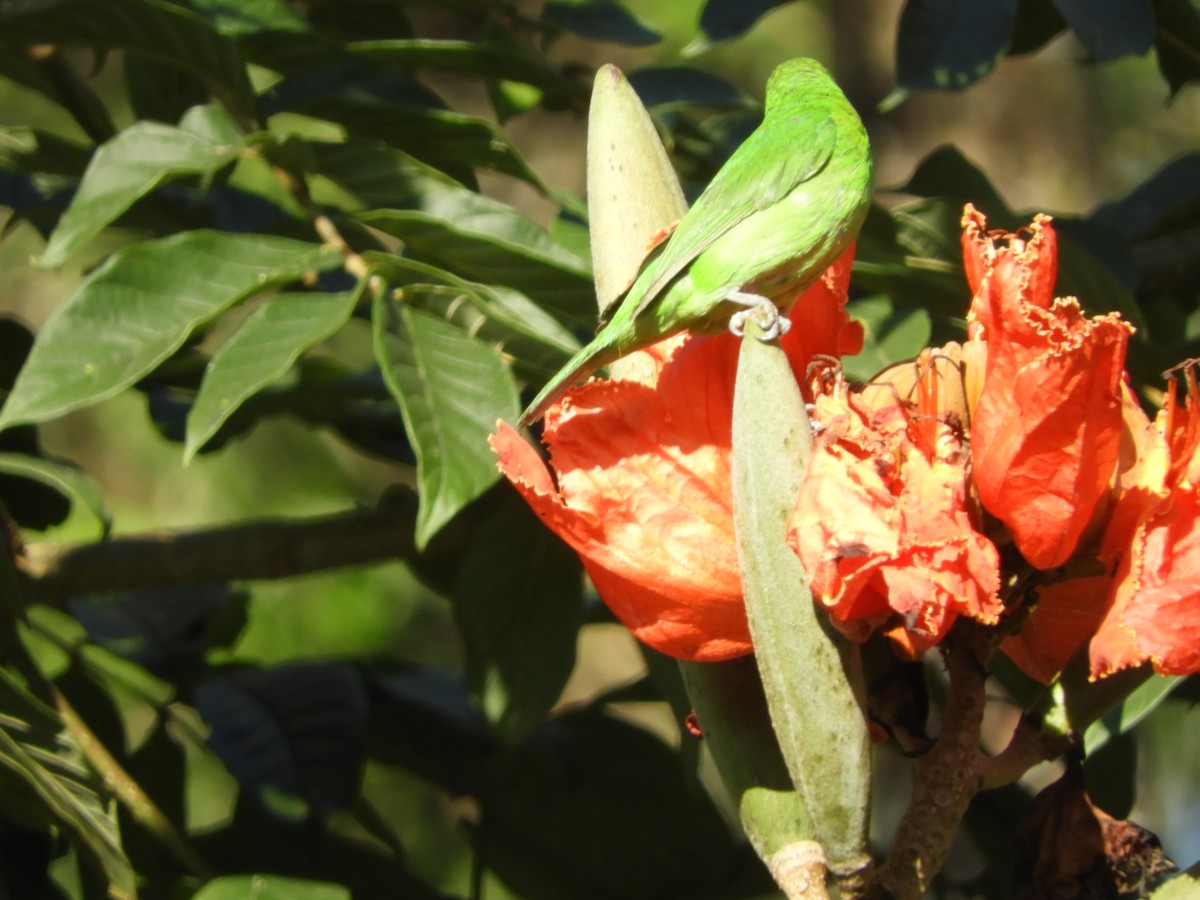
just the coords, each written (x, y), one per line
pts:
(777, 215)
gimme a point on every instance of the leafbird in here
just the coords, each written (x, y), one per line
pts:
(780, 211)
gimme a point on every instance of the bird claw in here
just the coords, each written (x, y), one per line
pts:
(773, 323)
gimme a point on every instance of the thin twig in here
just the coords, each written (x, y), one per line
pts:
(144, 810)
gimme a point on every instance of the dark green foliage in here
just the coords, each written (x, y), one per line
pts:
(296, 219)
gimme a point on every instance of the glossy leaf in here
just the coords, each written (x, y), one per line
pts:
(299, 729)
(1139, 703)
(250, 16)
(518, 604)
(451, 389)
(260, 351)
(398, 109)
(160, 29)
(140, 306)
(69, 481)
(133, 164)
(600, 20)
(269, 887)
(455, 228)
(463, 234)
(58, 82)
(912, 253)
(537, 342)
(947, 44)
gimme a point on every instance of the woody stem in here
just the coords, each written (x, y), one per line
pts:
(948, 776)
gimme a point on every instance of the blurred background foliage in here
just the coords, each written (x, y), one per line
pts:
(464, 719)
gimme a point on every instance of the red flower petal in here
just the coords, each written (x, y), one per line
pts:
(1045, 431)
(643, 478)
(883, 524)
(1066, 615)
(1155, 614)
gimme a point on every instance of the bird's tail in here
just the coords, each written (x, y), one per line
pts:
(582, 364)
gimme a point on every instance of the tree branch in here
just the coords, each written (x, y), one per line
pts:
(269, 548)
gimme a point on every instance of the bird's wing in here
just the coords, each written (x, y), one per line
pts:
(760, 173)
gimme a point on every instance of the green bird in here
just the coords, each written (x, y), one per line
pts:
(776, 216)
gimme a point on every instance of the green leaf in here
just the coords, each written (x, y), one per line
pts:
(269, 887)
(397, 109)
(600, 20)
(58, 81)
(1139, 703)
(812, 680)
(913, 254)
(947, 44)
(42, 776)
(474, 237)
(250, 16)
(1110, 29)
(451, 388)
(260, 351)
(139, 307)
(72, 483)
(535, 340)
(517, 601)
(892, 334)
(455, 228)
(161, 29)
(133, 164)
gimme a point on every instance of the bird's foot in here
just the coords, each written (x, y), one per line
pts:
(773, 323)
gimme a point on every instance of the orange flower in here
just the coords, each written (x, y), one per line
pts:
(1068, 612)
(643, 478)
(883, 523)
(1045, 431)
(1155, 611)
